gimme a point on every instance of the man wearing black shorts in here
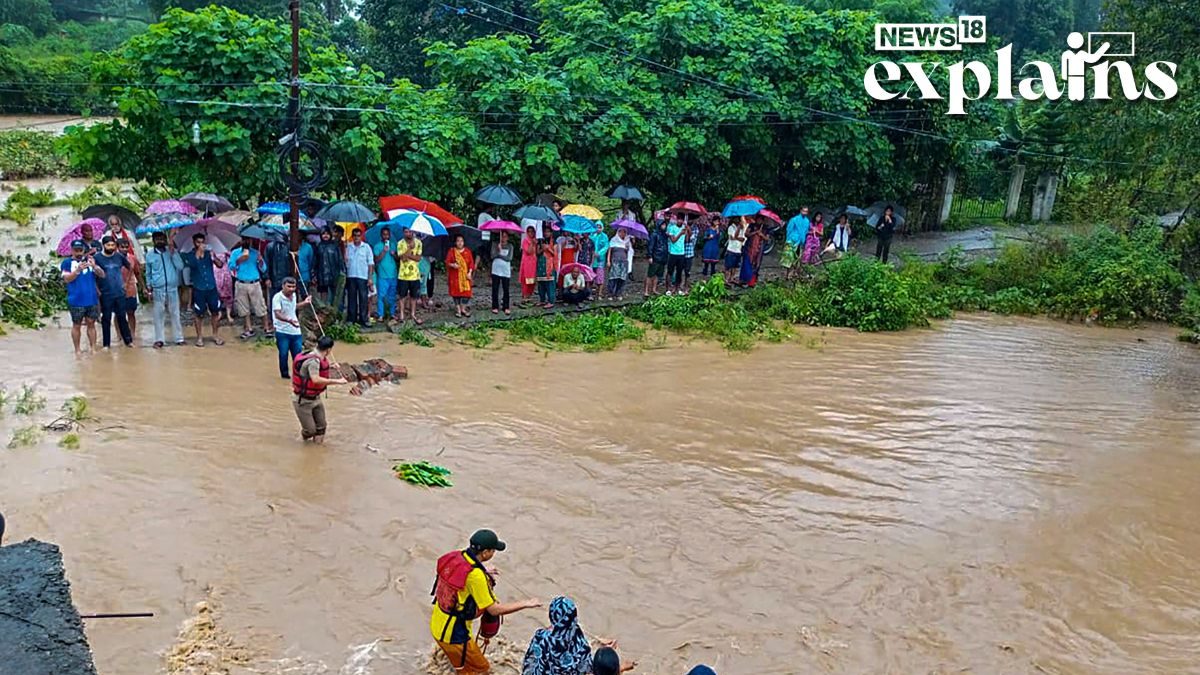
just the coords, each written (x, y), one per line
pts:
(205, 299)
(408, 286)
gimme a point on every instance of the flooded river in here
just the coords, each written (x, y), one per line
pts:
(988, 496)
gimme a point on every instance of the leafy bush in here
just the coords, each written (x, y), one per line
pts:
(410, 335)
(29, 154)
(1012, 301)
(592, 331)
(347, 333)
(18, 213)
(22, 195)
(865, 294)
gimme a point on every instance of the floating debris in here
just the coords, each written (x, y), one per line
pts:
(370, 373)
(423, 473)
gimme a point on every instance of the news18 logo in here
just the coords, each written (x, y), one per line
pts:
(1098, 55)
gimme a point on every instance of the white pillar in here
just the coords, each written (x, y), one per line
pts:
(1015, 183)
(947, 195)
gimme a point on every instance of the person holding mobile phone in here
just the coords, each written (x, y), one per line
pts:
(83, 297)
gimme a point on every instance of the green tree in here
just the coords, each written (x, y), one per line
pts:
(36, 15)
(1036, 26)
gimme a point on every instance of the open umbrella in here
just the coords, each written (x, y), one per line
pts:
(873, 219)
(771, 215)
(472, 236)
(852, 211)
(876, 210)
(103, 211)
(745, 207)
(589, 212)
(346, 212)
(500, 226)
(256, 231)
(219, 236)
(74, 232)
(164, 206)
(282, 222)
(164, 221)
(627, 193)
(207, 202)
(273, 208)
(690, 208)
(536, 212)
(578, 225)
(548, 199)
(421, 223)
(751, 198)
(635, 228)
(394, 203)
(588, 272)
(500, 195)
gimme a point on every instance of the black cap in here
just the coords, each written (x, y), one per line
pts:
(78, 243)
(486, 540)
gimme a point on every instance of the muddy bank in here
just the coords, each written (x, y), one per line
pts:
(40, 629)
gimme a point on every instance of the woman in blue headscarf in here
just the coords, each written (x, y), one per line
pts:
(562, 649)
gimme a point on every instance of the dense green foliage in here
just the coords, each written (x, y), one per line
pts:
(593, 332)
(25, 154)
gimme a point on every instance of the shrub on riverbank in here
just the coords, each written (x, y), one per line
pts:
(30, 154)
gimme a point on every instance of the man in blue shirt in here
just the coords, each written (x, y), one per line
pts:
(248, 268)
(797, 232)
(112, 293)
(676, 254)
(386, 274)
(164, 274)
(205, 299)
(79, 272)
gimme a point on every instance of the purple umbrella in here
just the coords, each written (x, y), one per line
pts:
(64, 244)
(635, 228)
(170, 206)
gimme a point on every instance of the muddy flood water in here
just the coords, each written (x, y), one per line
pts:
(990, 495)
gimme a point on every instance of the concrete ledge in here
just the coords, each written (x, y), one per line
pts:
(40, 629)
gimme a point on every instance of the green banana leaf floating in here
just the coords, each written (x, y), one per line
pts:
(423, 473)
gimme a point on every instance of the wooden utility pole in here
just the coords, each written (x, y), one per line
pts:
(294, 110)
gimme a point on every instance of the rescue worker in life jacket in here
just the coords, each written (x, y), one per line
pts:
(310, 377)
(463, 593)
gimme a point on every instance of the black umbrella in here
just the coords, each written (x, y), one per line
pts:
(256, 231)
(548, 199)
(536, 212)
(879, 206)
(346, 212)
(310, 206)
(472, 237)
(626, 192)
(102, 211)
(500, 195)
(829, 213)
(208, 202)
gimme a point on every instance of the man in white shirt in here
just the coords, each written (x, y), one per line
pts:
(288, 337)
(360, 270)
(733, 249)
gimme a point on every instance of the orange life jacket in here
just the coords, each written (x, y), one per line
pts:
(303, 386)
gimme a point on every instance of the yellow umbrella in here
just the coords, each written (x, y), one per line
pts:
(589, 212)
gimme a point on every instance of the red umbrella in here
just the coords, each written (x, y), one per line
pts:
(687, 207)
(771, 215)
(395, 202)
(752, 198)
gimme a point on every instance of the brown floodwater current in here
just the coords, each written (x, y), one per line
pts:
(990, 495)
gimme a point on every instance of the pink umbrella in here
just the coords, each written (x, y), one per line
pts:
(691, 208)
(771, 215)
(170, 206)
(76, 232)
(500, 226)
(635, 228)
(587, 272)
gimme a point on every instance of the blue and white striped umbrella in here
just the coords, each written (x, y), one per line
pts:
(161, 222)
(420, 223)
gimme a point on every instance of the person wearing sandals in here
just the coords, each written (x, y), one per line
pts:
(502, 255)
(247, 268)
(206, 301)
(460, 270)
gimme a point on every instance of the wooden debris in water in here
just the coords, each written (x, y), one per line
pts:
(370, 373)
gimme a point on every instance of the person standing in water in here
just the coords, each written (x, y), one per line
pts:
(310, 377)
(463, 592)
(206, 300)
(112, 293)
(79, 273)
(164, 274)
